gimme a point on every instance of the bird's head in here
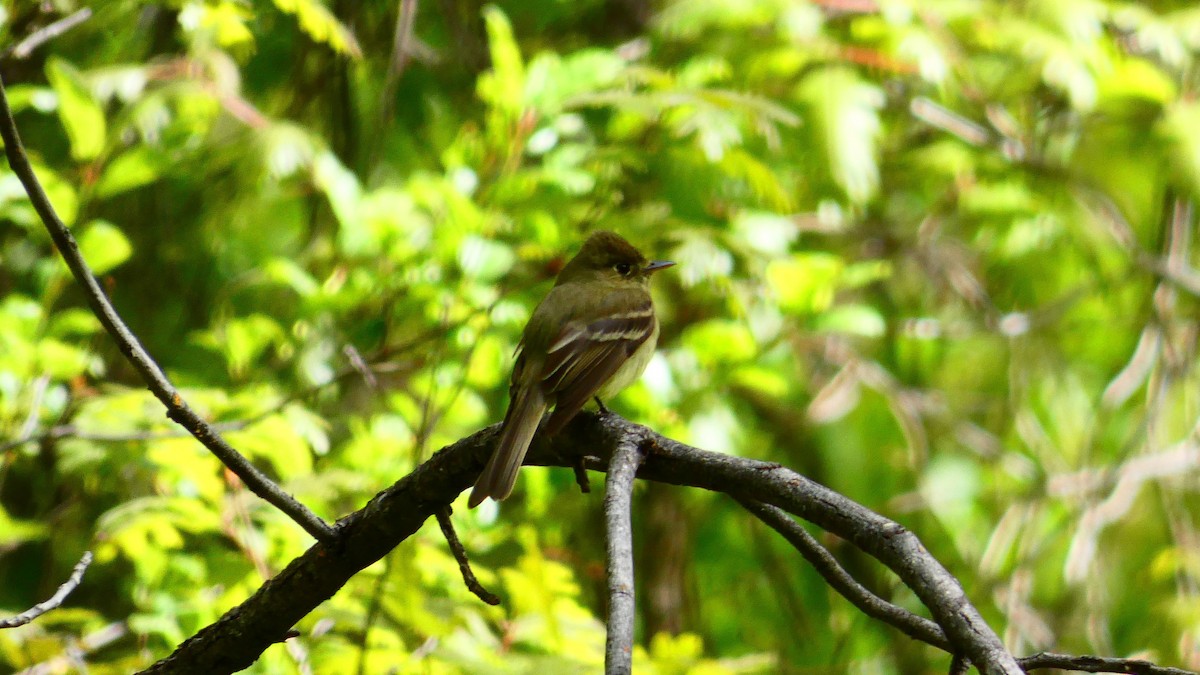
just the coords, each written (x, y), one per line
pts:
(606, 256)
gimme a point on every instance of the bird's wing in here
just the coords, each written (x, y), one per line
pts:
(586, 352)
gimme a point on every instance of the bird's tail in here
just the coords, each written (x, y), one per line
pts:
(524, 413)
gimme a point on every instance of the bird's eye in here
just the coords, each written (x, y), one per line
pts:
(623, 269)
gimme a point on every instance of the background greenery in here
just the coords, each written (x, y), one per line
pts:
(934, 254)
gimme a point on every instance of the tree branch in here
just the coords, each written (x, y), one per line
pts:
(916, 627)
(43, 35)
(1097, 664)
(239, 637)
(460, 554)
(177, 409)
(55, 600)
(618, 519)
(887, 541)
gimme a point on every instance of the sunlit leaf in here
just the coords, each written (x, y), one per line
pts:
(844, 112)
(80, 114)
(14, 531)
(1180, 126)
(104, 246)
(853, 319)
(484, 260)
(805, 282)
(132, 169)
(321, 25)
(504, 85)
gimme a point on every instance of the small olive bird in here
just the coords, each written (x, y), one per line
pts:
(592, 335)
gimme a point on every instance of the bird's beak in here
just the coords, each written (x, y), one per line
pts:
(656, 265)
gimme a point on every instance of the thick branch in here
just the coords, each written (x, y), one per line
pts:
(237, 639)
(618, 519)
(177, 409)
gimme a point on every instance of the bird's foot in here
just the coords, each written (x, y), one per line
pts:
(603, 408)
(581, 477)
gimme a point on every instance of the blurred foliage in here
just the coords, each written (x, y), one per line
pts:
(936, 255)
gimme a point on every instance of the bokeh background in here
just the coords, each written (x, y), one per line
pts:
(935, 254)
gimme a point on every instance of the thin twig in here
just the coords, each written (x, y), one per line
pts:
(360, 365)
(73, 654)
(618, 520)
(177, 409)
(55, 600)
(39, 37)
(916, 627)
(401, 43)
(460, 554)
(71, 431)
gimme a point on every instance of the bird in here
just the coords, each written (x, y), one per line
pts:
(590, 337)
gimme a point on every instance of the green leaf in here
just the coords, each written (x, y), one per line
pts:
(341, 188)
(1139, 79)
(13, 531)
(865, 272)
(14, 202)
(504, 85)
(245, 339)
(223, 23)
(806, 282)
(80, 113)
(861, 320)
(295, 277)
(767, 233)
(277, 441)
(766, 185)
(63, 361)
(844, 111)
(552, 81)
(1179, 126)
(484, 259)
(322, 26)
(73, 321)
(720, 341)
(104, 246)
(700, 259)
(310, 426)
(25, 96)
(132, 169)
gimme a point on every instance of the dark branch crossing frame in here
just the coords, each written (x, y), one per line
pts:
(238, 638)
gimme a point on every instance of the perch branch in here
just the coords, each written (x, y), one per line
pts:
(238, 638)
(618, 520)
